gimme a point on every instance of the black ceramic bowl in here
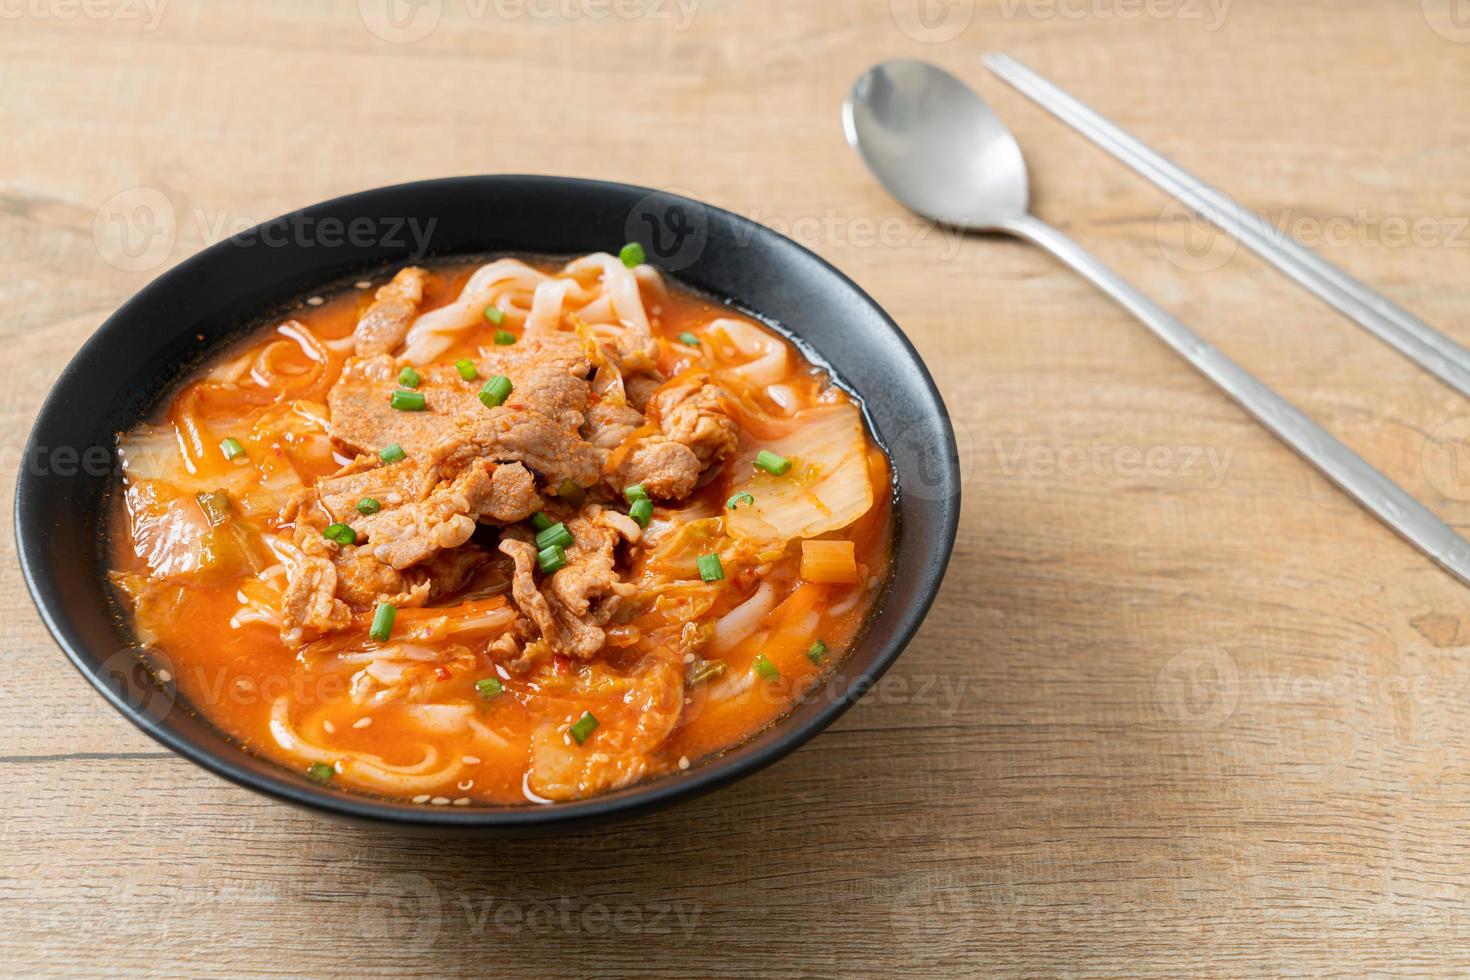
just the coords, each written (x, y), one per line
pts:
(202, 304)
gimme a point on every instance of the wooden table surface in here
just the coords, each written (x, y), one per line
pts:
(1180, 706)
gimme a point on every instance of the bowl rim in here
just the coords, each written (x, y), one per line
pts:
(656, 793)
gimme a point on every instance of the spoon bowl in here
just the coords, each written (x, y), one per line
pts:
(936, 146)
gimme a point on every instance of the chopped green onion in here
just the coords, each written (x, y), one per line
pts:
(368, 505)
(496, 391)
(391, 453)
(706, 671)
(740, 498)
(216, 506)
(340, 533)
(466, 369)
(571, 491)
(635, 493)
(408, 401)
(409, 378)
(772, 463)
(710, 568)
(583, 727)
(555, 534)
(231, 447)
(552, 558)
(504, 338)
(489, 687)
(688, 339)
(383, 617)
(762, 666)
(540, 521)
(632, 255)
(320, 772)
(816, 652)
(494, 315)
(641, 512)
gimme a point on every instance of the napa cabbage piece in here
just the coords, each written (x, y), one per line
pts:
(827, 488)
(196, 538)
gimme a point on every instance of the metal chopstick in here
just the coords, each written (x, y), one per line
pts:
(1400, 329)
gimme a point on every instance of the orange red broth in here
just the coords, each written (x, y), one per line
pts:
(231, 675)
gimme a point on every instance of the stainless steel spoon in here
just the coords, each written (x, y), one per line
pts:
(939, 149)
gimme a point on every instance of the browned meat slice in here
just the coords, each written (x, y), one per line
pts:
(364, 420)
(588, 584)
(309, 606)
(405, 535)
(580, 599)
(512, 494)
(450, 571)
(642, 387)
(667, 470)
(363, 581)
(692, 412)
(413, 550)
(515, 435)
(694, 431)
(548, 374)
(384, 324)
(563, 631)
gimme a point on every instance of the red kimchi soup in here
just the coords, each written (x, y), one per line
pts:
(488, 532)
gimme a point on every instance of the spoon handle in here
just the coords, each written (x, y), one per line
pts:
(1394, 325)
(1381, 496)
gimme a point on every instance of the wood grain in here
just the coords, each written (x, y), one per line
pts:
(1181, 708)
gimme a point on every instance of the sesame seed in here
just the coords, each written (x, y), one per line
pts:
(462, 801)
(395, 497)
(315, 301)
(164, 676)
(464, 784)
(683, 762)
(362, 723)
(330, 728)
(689, 658)
(363, 284)
(421, 798)
(471, 760)
(439, 800)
